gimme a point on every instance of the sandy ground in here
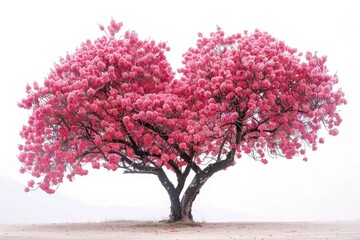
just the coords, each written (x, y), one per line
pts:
(154, 230)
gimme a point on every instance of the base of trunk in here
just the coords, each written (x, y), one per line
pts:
(180, 218)
(181, 223)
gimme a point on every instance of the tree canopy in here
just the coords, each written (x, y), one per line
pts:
(116, 103)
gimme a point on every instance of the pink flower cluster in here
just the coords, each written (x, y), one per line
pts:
(257, 85)
(115, 103)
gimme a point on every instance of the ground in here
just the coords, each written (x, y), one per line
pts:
(349, 230)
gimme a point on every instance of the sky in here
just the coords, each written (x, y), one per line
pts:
(34, 34)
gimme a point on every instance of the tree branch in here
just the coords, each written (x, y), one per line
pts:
(182, 179)
(175, 168)
(142, 172)
(221, 148)
(134, 146)
(187, 158)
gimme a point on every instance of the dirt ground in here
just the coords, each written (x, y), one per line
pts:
(154, 230)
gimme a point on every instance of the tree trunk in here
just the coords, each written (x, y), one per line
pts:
(190, 195)
(182, 210)
(175, 208)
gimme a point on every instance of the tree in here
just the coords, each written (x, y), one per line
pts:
(115, 103)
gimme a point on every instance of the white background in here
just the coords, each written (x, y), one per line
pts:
(34, 34)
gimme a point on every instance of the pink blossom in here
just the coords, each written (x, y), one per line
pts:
(126, 119)
(97, 140)
(31, 183)
(95, 165)
(130, 126)
(101, 65)
(333, 132)
(165, 157)
(114, 158)
(182, 145)
(130, 152)
(101, 27)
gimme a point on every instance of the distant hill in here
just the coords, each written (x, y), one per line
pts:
(16, 206)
